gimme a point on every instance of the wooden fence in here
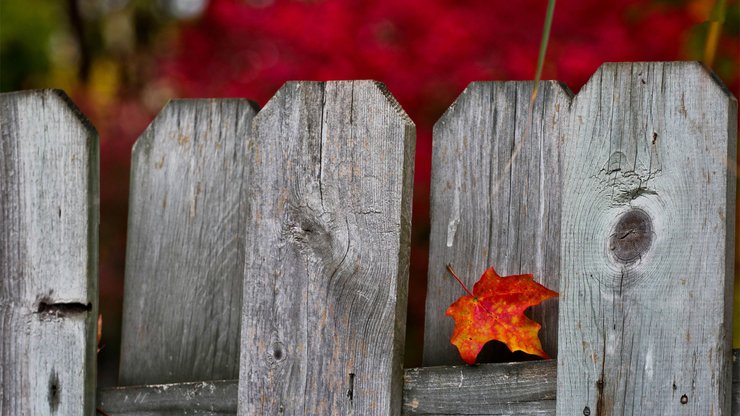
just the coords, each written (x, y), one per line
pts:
(268, 250)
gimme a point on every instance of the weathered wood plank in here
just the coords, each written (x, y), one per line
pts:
(492, 389)
(487, 389)
(48, 255)
(495, 201)
(512, 388)
(185, 248)
(647, 243)
(326, 271)
(195, 398)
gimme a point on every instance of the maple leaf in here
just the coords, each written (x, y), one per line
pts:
(495, 311)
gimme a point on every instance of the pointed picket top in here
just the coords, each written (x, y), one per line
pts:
(48, 255)
(325, 282)
(647, 243)
(495, 201)
(184, 256)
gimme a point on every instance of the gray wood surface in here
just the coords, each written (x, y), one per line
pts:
(736, 382)
(326, 272)
(648, 243)
(512, 388)
(194, 398)
(493, 389)
(489, 209)
(48, 255)
(489, 389)
(185, 248)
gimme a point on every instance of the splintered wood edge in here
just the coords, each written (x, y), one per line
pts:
(426, 391)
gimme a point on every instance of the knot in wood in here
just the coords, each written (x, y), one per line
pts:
(309, 231)
(276, 352)
(632, 236)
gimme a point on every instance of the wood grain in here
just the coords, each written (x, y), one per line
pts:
(495, 201)
(325, 285)
(185, 248)
(487, 389)
(48, 255)
(492, 389)
(645, 317)
(525, 388)
(203, 398)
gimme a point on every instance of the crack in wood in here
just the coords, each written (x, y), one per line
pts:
(63, 309)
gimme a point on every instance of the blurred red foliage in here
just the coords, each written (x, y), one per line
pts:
(426, 51)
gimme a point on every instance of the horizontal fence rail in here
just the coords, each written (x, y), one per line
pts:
(526, 388)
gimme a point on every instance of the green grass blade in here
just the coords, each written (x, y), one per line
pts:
(537, 77)
(543, 45)
(716, 19)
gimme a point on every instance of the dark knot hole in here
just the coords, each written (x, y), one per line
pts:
(632, 236)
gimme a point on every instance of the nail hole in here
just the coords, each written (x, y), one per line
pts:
(276, 352)
(684, 399)
(586, 411)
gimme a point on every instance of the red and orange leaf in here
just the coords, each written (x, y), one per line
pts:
(495, 311)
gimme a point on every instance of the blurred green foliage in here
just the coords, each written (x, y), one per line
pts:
(27, 30)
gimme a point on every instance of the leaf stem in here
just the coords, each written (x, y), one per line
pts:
(452, 272)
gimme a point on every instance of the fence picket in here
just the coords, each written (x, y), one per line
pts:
(491, 207)
(48, 255)
(327, 256)
(185, 248)
(647, 243)
(296, 226)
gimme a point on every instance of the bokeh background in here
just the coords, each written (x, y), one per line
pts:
(121, 60)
